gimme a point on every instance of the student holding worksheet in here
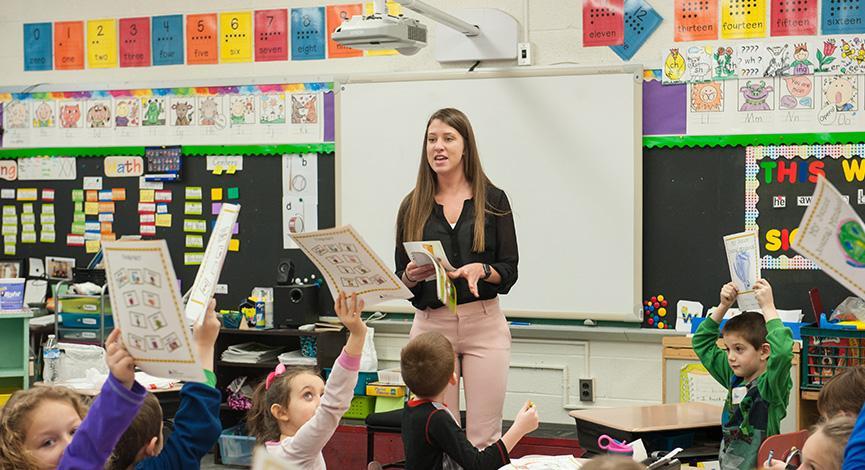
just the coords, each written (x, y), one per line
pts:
(455, 203)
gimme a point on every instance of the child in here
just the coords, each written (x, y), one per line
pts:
(755, 369)
(612, 462)
(843, 394)
(430, 434)
(824, 449)
(37, 425)
(196, 424)
(294, 413)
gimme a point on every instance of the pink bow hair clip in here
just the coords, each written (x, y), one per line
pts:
(279, 370)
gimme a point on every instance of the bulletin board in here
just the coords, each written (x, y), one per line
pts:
(259, 189)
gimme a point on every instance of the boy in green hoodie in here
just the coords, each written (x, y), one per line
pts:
(755, 369)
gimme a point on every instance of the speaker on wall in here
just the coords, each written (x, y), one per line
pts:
(295, 305)
(284, 272)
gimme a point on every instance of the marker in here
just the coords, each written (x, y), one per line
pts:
(769, 458)
(520, 323)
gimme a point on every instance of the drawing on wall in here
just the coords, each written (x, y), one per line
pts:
(674, 65)
(71, 116)
(755, 95)
(241, 109)
(154, 111)
(801, 64)
(99, 114)
(699, 63)
(17, 113)
(707, 97)
(304, 108)
(272, 108)
(127, 113)
(725, 66)
(840, 92)
(779, 61)
(210, 111)
(797, 92)
(44, 114)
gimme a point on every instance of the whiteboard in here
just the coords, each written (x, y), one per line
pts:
(563, 143)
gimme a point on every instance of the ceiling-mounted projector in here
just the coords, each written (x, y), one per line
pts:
(382, 31)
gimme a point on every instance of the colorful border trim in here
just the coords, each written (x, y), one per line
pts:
(690, 141)
(188, 150)
(188, 91)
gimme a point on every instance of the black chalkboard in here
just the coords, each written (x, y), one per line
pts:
(692, 197)
(260, 219)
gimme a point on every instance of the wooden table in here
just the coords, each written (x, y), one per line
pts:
(672, 416)
(92, 392)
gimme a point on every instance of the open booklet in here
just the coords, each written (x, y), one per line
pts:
(211, 266)
(432, 252)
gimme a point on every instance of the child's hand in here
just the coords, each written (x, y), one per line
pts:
(527, 419)
(763, 292)
(204, 336)
(348, 310)
(728, 295)
(120, 362)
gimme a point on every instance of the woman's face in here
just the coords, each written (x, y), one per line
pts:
(444, 148)
(818, 453)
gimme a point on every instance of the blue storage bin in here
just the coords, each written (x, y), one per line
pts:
(84, 320)
(235, 447)
(363, 378)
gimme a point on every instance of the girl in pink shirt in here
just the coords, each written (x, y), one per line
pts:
(293, 413)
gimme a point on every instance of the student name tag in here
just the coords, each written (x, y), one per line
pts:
(739, 394)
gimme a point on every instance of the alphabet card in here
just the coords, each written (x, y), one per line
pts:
(236, 37)
(201, 39)
(742, 19)
(148, 309)
(603, 22)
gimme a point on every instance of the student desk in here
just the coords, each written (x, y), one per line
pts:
(662, 427)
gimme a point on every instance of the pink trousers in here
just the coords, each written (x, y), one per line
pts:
(481, 339)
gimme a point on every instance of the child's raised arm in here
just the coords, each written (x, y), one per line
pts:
(763, 292)
(727, 297)
(204, 335)
(348, 311)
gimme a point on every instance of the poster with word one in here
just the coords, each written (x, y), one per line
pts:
(843, 16)
(101, 43)
(307, 33)
(167, 39)
(134, 42)
(641, 20)
(37, 47)
(742, 19)
(794, 17)
(202, 39)
(147, 308)
(235, 44)
(69, 45)
(271, 35)
(695, 20)
(336, 14)
(603, 22)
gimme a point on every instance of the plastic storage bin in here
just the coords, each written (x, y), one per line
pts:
(85, 320)
(826, 351)
(363, 378)
(235, 447)
(83, 304)
(360, 408)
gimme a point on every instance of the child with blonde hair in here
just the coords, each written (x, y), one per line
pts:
(294, 412)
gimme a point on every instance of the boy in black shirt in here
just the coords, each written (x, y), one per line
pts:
(430, 434)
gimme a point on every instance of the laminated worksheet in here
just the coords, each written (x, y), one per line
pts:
(832, 235)
(147, 308)
(432, 252)
(211, 266)
(349, 265)
(743, 257)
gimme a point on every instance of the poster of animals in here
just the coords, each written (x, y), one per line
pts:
(253, 114)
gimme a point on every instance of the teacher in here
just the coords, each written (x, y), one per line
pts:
(455, 203)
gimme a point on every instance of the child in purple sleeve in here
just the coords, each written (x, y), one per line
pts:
(294, 414)
(42, 427)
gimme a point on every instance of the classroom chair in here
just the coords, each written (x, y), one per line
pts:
(387, 422)
(781, 445)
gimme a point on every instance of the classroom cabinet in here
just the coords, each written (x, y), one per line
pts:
(15, 362)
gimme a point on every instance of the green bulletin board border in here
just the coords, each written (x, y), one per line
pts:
(681, 141)
(195, 150)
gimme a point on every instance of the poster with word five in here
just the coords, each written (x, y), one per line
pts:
(167, 32)
(235, 44)
(603, 22)
(695, 20)
(794, 17)
(741, 19)
(271, 35)
(336, 14)
(201, 39)
(69, 45)
(307, 33)
(37, 47)
(101, 44)
(134, 42)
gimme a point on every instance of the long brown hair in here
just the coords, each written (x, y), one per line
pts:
(417, 206)
(260, 422)
(15, 419)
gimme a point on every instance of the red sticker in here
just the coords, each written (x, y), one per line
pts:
(135, 42)
(695, 20)
(271, 35)
(603, 22)
(794, 17)
(336, 14)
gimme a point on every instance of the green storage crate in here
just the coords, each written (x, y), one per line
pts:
(83, 304)
(361, 407)
(827, 351)
(383, 404)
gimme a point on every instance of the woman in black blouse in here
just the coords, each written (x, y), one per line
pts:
(454, 202)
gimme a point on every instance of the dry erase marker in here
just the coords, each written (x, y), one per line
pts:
(520, 323)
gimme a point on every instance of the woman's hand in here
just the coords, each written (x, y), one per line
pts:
(472, 273)
(415, 274)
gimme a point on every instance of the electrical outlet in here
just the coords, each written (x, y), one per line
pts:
(524, 53)
(587, 389)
